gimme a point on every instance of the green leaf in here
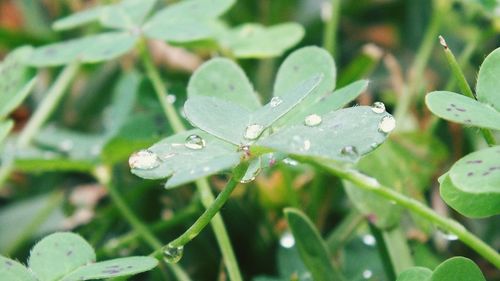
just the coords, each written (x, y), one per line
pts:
(312, 248)
(457, 269)
(252, 40)
(112, 268)
(59, 254)
(5, 127)
(78, 19)
(472, 205)
(185, 164)
(488, 82)
(128, 14)
(11, 270)
(224, 79)
(186, 21)
(336, 137)
(33, 159)
(415, 274)
(90, 49)
(301, 65)
(15, 81)
(462, 109)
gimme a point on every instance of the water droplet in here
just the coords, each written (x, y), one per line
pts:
(66, 145)
(173, 254)
(287, 240)
(378, 107)
(369, 240)
(374, 145)
(387, 124)
(307, 145)
(171, 99)
(312, 120)
(290, 161)
(350, 152)
(253, 131)
(448, 236)
(194, 142)
(144, 160)
(367, 274)
(275, 101)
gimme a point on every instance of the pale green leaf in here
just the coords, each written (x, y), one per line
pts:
(415, 274)
(488, 84)
(78, 19)
(128, 14)
(5, 127)
(11, 270)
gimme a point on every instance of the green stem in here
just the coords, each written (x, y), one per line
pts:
(205, 218)
(202, 185)
(448, 225)
(42, 113)
(331, 28)
(53, 202)
(463, 85)
(339, 236)
(103, 176)
(397, 249)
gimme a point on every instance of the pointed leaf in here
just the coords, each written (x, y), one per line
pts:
(185, 164)
(336, 137)
(78, 19)
(112, 268)
(253, 40)
(128, 14)
(457, 269)
(14, 271)
(488, 84)
(5, 127)
(415, 274)
(59, 254)
(462, 109)
(224, 79)
(91, 49)
(15, 81)
(312, 248)
(186, 21)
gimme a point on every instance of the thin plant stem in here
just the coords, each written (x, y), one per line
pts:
(449, 225)
(42, 113)
(331, 28)
(340, 235)
(103, 176)
(463, 85)
(203, 188)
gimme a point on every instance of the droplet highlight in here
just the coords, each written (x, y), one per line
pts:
(387, 124)
(378, 107)
(253, 131)
(287, 240)
(194, 142)
(144, 160)
(313, 120)
(275, 101)
(350, 152)
(173, 254)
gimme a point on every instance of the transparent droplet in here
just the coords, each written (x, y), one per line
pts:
(448, 236)
(194, 142)
(144, 160)
(350, 152)
(290, 161)
(378, 107)
(374, 145)
(387, 124)
(171, 99)
(253, 131)
(369, 240)
(367, 274)
(66, 145)
(275, 101)
(312, 120)
(287, 240)
(173, 254)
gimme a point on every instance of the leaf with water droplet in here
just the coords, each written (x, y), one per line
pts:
(311, 247)
(186, 21)
(463, 110)
(252, 40)
(488, 82)
(90, 49)
(12, 270)
(183, 164)
(223, 79)
(328, 139)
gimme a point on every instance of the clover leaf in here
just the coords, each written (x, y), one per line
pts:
(67, 256)
(453, 269)
(234, 127)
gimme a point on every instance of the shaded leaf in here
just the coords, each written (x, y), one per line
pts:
(33, 159)
(488, 84)
(253, 40)
(462, 109)
(457, 269)
(14, 271)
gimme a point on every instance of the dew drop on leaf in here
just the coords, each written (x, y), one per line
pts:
(287, 240)
(350, 152)
(173, 254)
(369, 240)
(387, 124)
(171, 99)
(275, 101)
(144, 160)
(367, 274)
(253, 131)
(194, 142)
(378, 107)
(312, 120)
